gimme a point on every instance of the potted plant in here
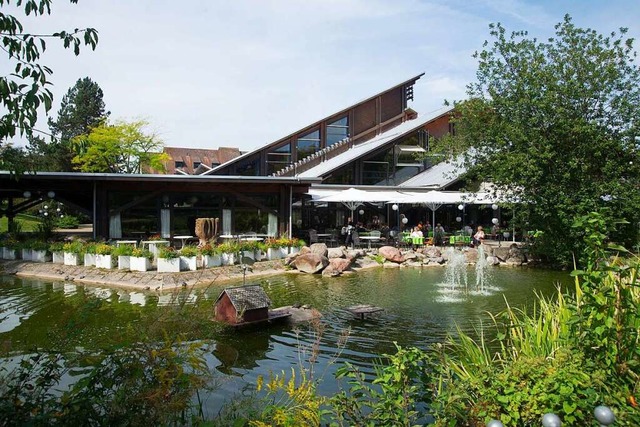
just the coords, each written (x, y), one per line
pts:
(295, 245)
(140, 259)
(123, 252)
(155, 242)
(10, 248)
(210, 256)
(168, 260)
(90, 254)
(260, 251)
(39, 251)
(228, 253)
(275, 248)
(73, 252)
(25, 250)
(188, 257)
(57, 252)
(248, 249)
(104, 256)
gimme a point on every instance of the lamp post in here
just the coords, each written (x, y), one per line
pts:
(461, 208)
(395, 208)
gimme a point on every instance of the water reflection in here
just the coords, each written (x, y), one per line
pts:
(420, 308)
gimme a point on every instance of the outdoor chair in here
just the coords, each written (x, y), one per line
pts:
(313, 236)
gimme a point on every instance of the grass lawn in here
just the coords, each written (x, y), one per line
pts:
(29, 222)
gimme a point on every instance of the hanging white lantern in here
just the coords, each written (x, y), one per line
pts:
(495, 221)
(405, 220)
(27, 194)
(460, 207)
(494, 207)
(51, 194)
(458, 219)
(394, 207)
(361, 211)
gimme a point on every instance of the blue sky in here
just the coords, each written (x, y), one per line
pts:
(242, 73)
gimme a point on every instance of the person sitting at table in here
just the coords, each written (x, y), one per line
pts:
(478, 237)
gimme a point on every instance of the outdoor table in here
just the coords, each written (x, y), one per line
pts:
(252, 239)
(153, 245)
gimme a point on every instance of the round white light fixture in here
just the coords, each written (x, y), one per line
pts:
(58, 210)
(458, 219)
(46, 214)
(405, 220)
(494, 207)
(46, 207)
(361, 211)
(51, 194)
(460, 207)
(394, 207)
(26, 194)
(495, 221)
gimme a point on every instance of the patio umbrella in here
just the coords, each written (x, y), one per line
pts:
(435, 199)
(353, 197)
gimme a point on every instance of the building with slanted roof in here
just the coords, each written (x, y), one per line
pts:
(196, 161)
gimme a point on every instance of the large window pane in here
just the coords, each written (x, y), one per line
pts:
(308, 144)
(337, 131)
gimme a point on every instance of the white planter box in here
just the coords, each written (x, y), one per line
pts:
(294, 249)
(188, 263)
(124, 262)
(228, 259)
(259, 255)
(249, 254)
(168, 265)
(154, 247)
(26, 254)
(40, 256)
(58, 257)
(276, 253)
(71, 258)
(138, 263)
(209, 261)
(106, 261)
(8, 253)
(89, 260)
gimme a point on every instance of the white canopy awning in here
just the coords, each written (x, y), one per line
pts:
(353, 197)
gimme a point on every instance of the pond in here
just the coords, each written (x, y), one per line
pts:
(420, 308)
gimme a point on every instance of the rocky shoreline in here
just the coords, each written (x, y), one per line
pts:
(316, 259)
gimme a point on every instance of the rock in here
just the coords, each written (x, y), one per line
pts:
(355, 253)
(515, 261)
(501, 253)
(319, 248)
(491, 260)
(291, 258)
(440, 260)
(330, 272)
(310, 263)
(471, 255)
(413, 264)
(304, 250)
(335, 253)
(391, 265)
(410, 256)
(391, 254)
(432, 252)
(365, 262)
(340, 264)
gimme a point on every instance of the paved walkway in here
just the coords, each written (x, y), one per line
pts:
(150, 280)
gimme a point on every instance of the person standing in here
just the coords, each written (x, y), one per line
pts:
(478, 238)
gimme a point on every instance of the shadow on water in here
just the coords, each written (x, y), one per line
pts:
(421, 306)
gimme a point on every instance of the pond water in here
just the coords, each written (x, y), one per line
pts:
(421, 306)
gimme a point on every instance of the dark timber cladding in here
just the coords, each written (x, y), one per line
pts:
(358, 123)
(118, 204)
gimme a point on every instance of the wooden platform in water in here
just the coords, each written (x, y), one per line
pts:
(361, 310)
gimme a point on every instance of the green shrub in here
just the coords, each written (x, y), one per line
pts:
(189, 251)
(104, 249)
(68, 222)
(123, 250)
(209, 250)
(167, 252)
(56, 247)
(75, 247)
(142, 253)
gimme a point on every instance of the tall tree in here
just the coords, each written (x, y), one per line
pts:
(123, 147)
(81, 109)
(24, 91)
(558, 123)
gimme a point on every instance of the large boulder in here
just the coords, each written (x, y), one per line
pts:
(330, 272)
(516, 256)
(365, 262)
(471, 255)
(335, 253)
(502, 253)
(319, 248)
(431, 252)
(310, 263)
(340, 264)
(391, 254)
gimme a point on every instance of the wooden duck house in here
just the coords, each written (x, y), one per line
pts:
(242, 305)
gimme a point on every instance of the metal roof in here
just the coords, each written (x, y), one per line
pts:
(438, 176)
(369, 146)
(250, 297)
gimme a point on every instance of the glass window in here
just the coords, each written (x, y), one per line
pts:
(278, 158)
(375, 173)
(179, 164)
(248, 168)
(308, 144)
(196, 164)
(337, 131)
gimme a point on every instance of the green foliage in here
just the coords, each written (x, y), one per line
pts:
(209, 250)
(24, 91)
(75, 247)
(104, 249)
(123, 147)
(123, 250)
(142, 253)
(556, 120)
(569, 355)
(68, 222)
(392, 399)
(188, 251)
(56, 247)
(167, 252)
